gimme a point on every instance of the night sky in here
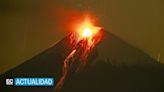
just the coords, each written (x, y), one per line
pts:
(27, 27)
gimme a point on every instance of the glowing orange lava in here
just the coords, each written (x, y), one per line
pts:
(87, 32)
(87, 29)
(85, 38)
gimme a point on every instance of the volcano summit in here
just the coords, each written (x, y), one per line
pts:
(112, 66)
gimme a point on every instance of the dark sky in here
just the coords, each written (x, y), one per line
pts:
(27, 27)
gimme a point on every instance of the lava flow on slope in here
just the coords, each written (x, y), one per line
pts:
(85, 38)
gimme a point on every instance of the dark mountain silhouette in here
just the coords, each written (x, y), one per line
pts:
(113, 66)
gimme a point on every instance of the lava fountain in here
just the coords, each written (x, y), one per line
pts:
(85, 38)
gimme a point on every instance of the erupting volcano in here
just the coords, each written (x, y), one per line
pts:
(90, 59)
(85, 38)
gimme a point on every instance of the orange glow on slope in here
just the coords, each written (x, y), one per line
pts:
(84, 39)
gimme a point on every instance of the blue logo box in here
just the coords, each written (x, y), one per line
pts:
(34, 81)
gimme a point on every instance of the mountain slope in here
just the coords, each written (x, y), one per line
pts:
(113, 66)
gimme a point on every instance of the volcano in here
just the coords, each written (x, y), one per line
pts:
(112, 66)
